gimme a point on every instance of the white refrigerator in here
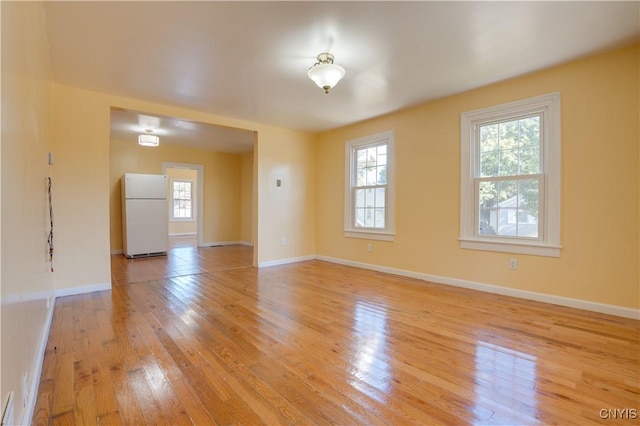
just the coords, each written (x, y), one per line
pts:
(144, 215)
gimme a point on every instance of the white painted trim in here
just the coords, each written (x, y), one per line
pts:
(246, 243)
(37, 370)
(505, 246)
(490, 288)
(369, 235)
(225, 243)
(549, 241)
(200, 196)
(183, 234)
(269, 263)
(350, 146)
(117, 251)
(72, 291)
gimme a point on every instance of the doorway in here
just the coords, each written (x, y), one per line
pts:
(183, 202)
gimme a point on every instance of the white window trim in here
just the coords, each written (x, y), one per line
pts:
(548, 243)
(181, 219)
(387, 234)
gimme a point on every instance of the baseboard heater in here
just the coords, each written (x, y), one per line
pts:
(136, 256)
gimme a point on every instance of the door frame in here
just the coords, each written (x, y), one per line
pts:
(200, 193)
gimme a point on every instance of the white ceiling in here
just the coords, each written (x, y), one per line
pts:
(249, 60)
(127, 125)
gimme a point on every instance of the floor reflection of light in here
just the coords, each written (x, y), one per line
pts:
(370, 364)
(505, 378)
(187, 318)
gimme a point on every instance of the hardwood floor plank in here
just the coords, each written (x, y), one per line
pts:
(200, 337)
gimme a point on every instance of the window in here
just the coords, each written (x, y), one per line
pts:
(510, 194)
(182, 199)
(369, 196)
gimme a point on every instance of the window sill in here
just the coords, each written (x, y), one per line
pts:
(369, 235)
(181, 220)
(511, 247)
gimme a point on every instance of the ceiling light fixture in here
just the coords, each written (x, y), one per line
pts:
(147, 139)
(325, 73)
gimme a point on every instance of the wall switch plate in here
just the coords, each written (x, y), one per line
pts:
(283, 241)
(369, 248)
(513, 263)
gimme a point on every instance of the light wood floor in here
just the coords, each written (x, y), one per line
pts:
(317, 343)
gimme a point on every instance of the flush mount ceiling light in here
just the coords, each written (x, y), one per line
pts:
(325, 73)
(147, 139)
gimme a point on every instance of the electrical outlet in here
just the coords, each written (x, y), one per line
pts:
(513, 263)
(369, 248)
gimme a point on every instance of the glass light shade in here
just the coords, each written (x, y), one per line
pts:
(148, 140)
(326, 76)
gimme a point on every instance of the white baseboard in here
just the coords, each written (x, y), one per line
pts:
(490, 288)
(72, 291)
(117, 251)
(37, 368)
(183, 234)
(246, 243)
(269, 263)
(225, 243)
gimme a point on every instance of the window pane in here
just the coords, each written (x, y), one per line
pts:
(508, 165)
(528, 208)
(489, 138)
(489, 163)
(509, 208)
(359, 218)
(382, 175)
(372, 177)
(361, 155)
(382, 158)
(379, 218)
(380, 197)
(530, 132)
(508, 135)
(359, 198)
(529, 161)
(510, 148)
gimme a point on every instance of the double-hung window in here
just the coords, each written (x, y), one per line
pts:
(369, 189)
(510, 194)
(182, 200)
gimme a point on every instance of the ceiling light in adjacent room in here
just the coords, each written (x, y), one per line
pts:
(147, 139)
(325, 73)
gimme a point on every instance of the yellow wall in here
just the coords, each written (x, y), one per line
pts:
(221, 185)
(26, 139)
(600, 134)
(82, 145)
(290, 208)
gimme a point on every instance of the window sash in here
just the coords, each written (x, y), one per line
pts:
(539, 178)
(375, 207)
(182, 205)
